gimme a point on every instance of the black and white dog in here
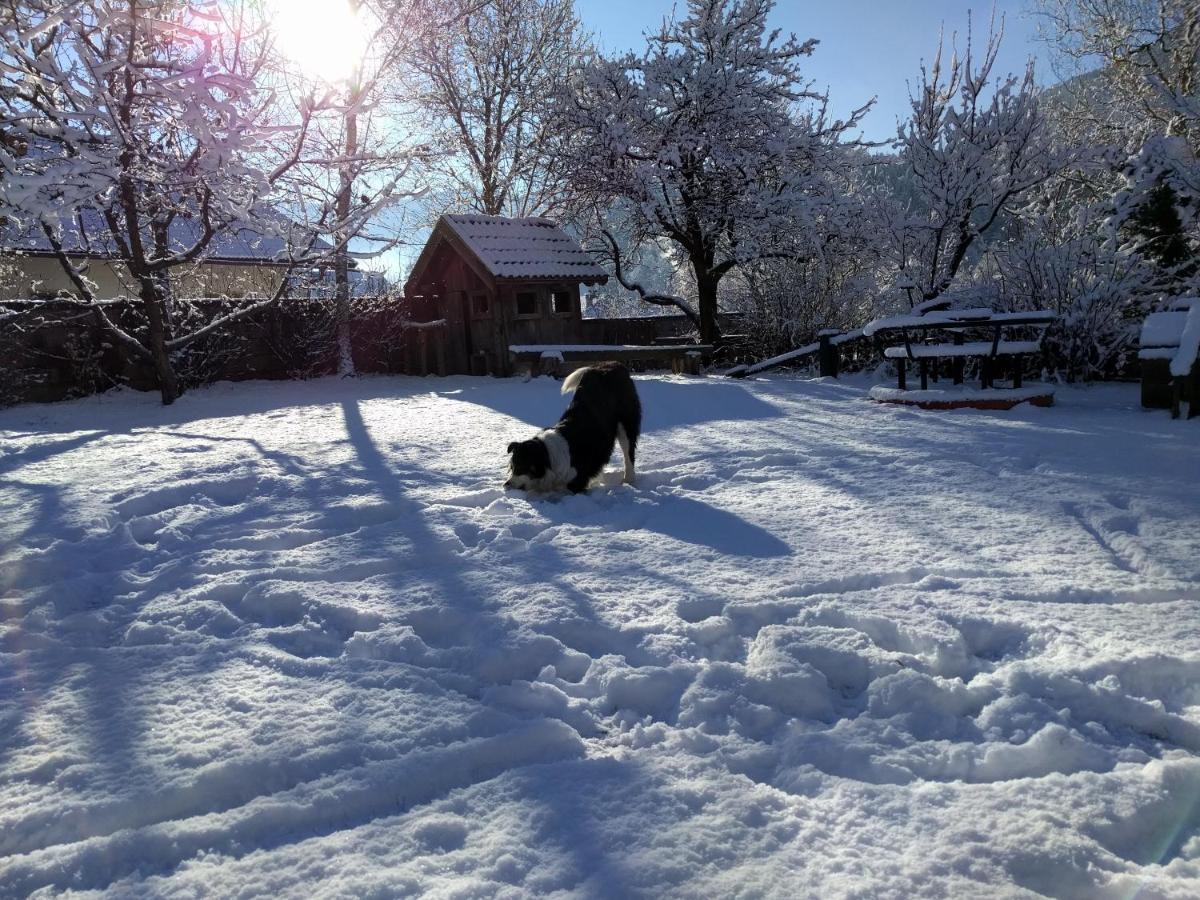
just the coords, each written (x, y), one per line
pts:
(568, 456)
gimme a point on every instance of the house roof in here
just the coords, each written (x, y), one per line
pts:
(514, 249)
(92, 240)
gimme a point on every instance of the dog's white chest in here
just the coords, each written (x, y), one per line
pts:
(561, 473)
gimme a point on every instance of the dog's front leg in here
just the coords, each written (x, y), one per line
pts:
(577, 485)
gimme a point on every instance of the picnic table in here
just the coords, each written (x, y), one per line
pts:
(993, 351)
(684, 358)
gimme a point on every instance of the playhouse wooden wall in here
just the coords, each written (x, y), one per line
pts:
(485, 317)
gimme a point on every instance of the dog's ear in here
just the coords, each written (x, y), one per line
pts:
(512, 446)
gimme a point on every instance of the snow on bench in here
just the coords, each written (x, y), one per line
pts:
(959, 318)
(951, 351)
(1189, 344)
(1172, 336)
(527, 349)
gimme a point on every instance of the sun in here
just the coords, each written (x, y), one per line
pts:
(325, 38)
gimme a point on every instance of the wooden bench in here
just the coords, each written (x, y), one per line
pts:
(1168, 351)
(992, 354)
(542, 359)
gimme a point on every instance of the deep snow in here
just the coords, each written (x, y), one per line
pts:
(292, 639)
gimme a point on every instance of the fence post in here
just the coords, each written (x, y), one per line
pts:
(827, 354)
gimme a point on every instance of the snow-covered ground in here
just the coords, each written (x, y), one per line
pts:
(293, 639)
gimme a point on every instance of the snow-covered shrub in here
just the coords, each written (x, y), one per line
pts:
(383, 335)
(206, 359)
(784, 303)
(1158, 207)
(1100, 293)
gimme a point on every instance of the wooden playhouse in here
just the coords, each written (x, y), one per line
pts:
(498, 282)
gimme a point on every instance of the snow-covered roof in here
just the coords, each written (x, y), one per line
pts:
(92, 240)
(523, 248)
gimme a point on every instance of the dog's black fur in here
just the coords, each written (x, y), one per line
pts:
(604, 410)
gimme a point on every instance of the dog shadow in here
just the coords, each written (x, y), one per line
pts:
(692, 521)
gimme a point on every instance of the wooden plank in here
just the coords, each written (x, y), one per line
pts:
(973, 349)
(528, 353)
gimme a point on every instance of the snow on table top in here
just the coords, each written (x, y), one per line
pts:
(961, 317)
(309, 646)
(524, 248)
(1163, 329)
(969, 348)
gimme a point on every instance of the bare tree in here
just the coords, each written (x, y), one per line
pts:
(1128, 65)
(360, 160)
(972, 149)
(140, 127)
(485, 86)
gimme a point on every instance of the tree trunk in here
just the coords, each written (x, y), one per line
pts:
(156, 315)
(706, 297)
(341, 264)
(345, 200)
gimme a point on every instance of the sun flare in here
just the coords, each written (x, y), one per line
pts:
(325, 38)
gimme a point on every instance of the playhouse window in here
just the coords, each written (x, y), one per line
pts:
(560, 301)
(479, 304)
(527, 303)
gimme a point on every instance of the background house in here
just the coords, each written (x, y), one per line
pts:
(243, 262)
(499, 281)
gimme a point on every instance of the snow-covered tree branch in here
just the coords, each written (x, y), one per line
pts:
(973, 148)
(141, 130)
(484, 85)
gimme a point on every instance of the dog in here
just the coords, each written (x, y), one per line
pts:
(605, 410)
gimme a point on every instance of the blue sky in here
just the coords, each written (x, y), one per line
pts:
(869, 48)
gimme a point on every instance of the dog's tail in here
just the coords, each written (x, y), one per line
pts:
(572, 381)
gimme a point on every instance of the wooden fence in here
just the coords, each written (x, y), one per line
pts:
(55, 350)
